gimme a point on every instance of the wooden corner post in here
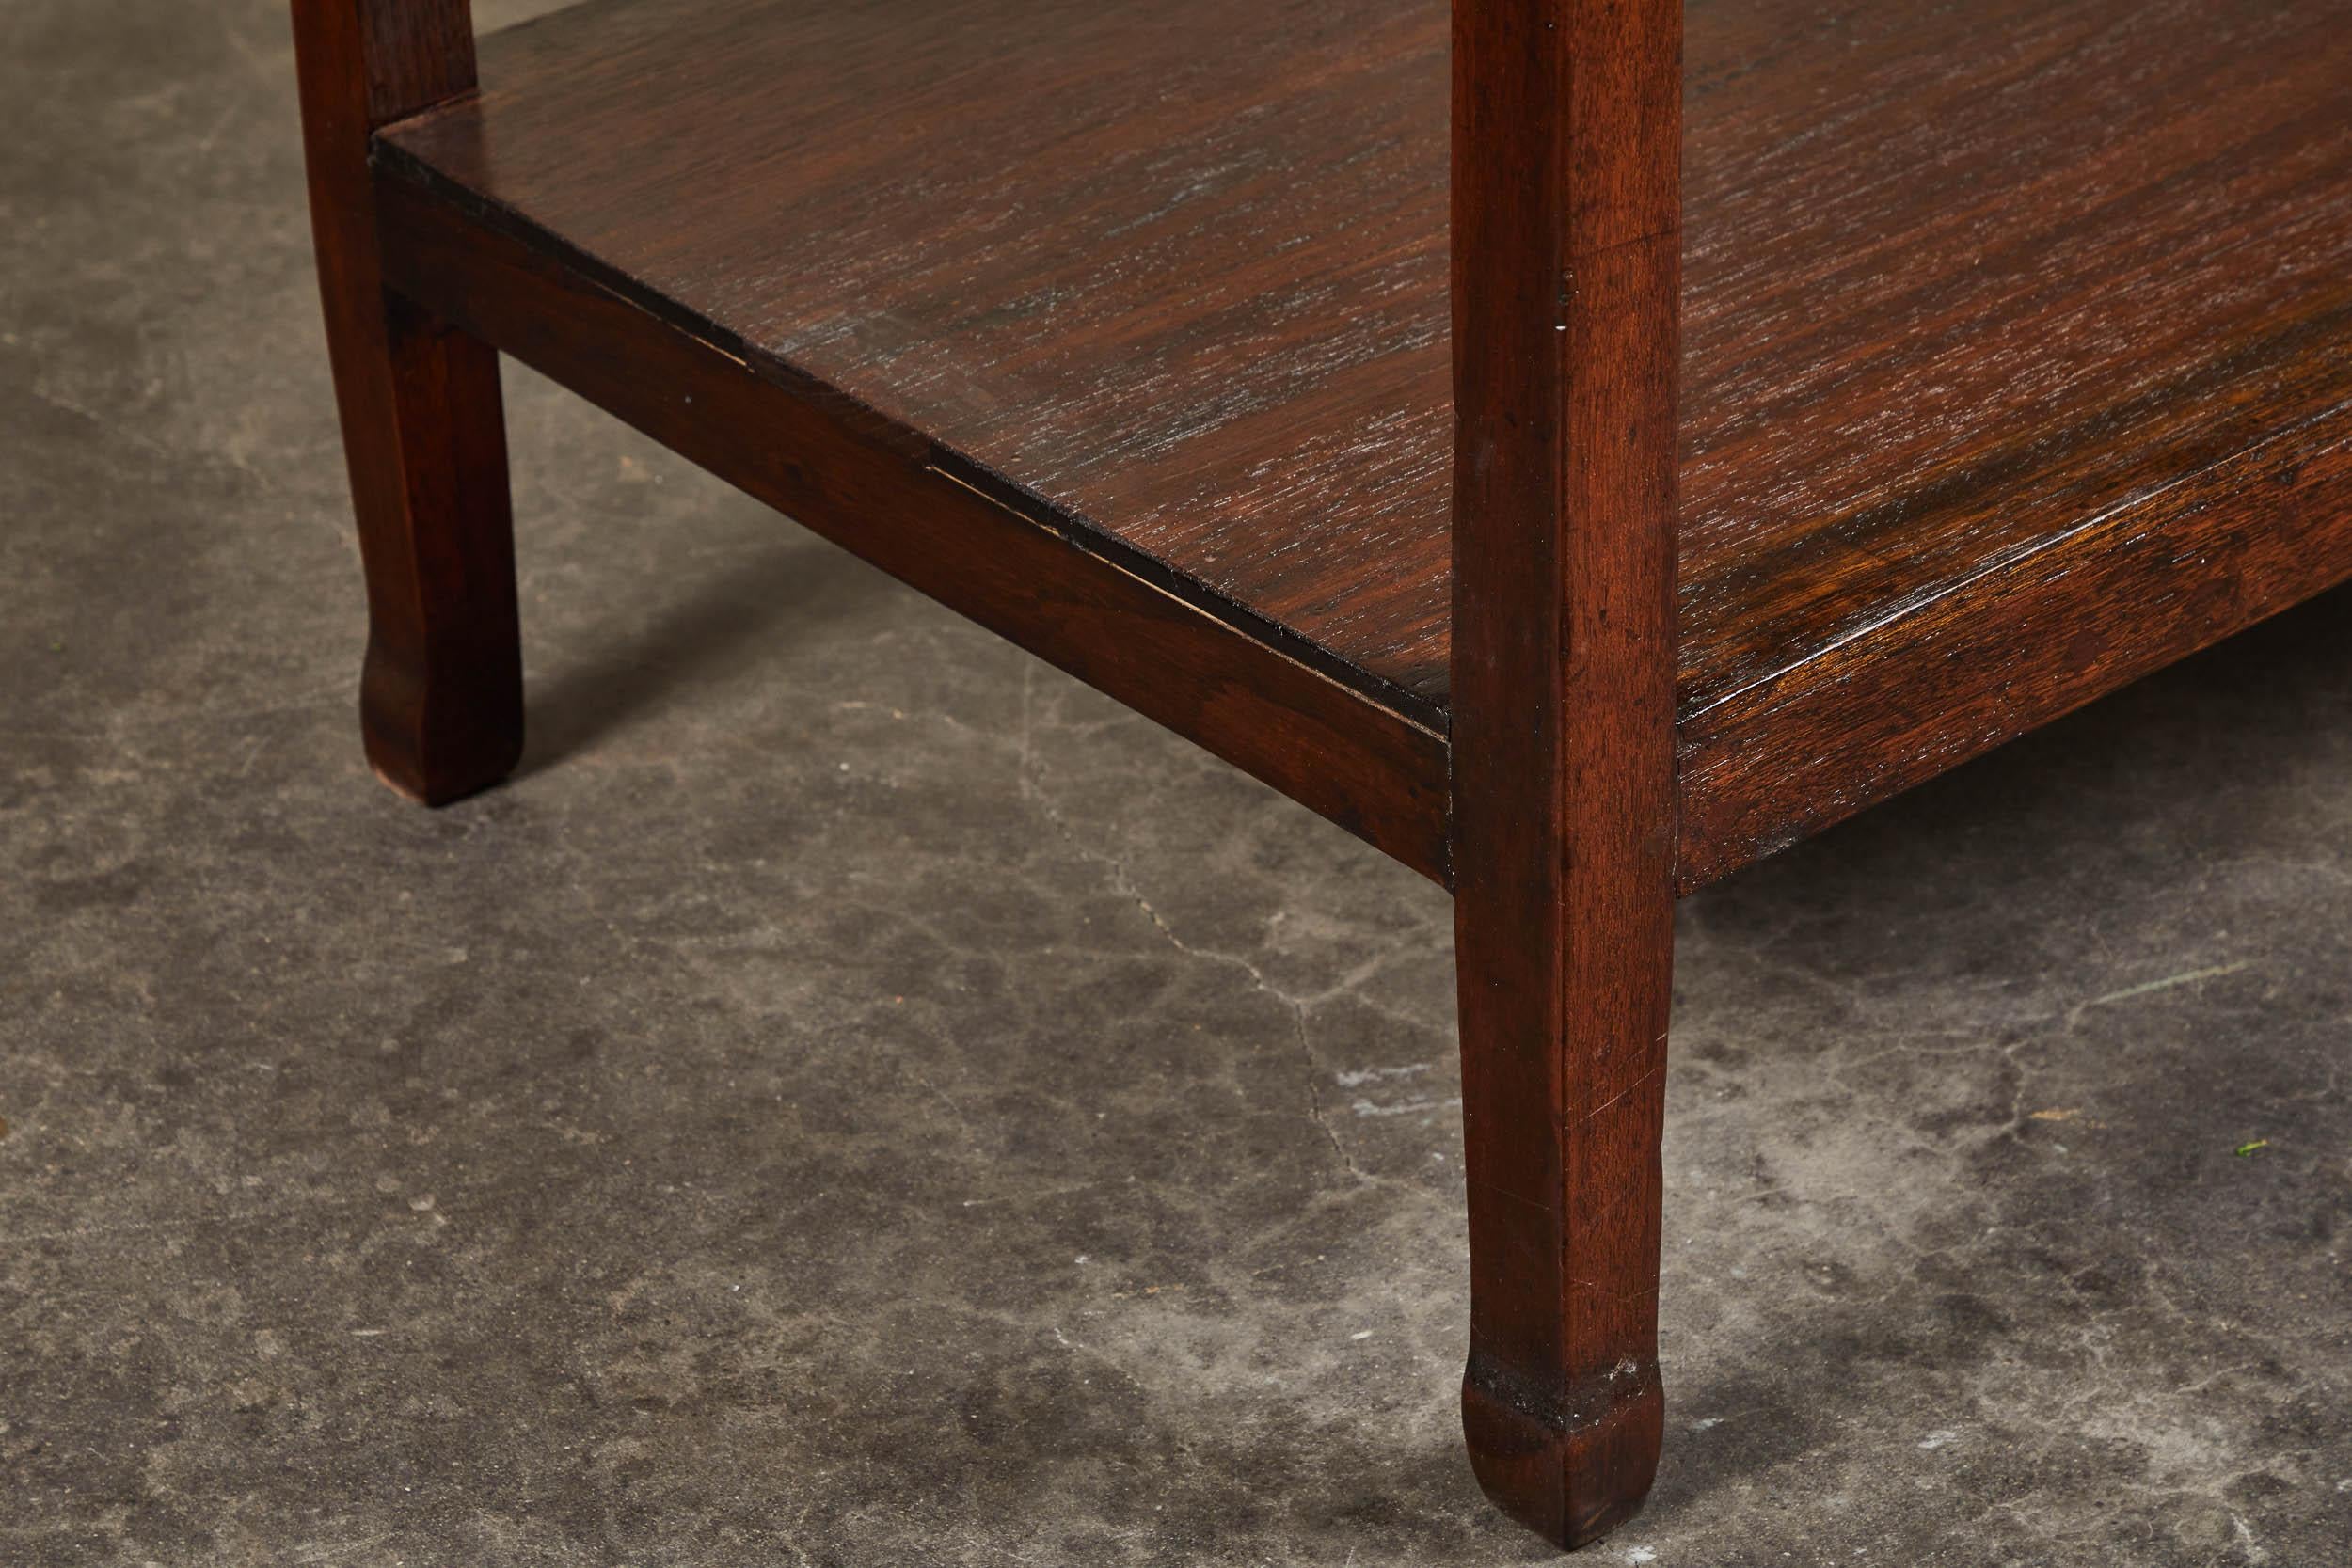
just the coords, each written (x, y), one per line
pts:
(1566, 216)
(441, 693)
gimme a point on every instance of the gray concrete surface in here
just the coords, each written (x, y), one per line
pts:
(860, 1099)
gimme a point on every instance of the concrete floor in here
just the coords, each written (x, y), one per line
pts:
(858, 1098)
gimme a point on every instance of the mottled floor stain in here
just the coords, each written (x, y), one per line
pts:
(858, 1098)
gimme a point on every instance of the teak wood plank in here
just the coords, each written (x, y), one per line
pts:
(1983, 303)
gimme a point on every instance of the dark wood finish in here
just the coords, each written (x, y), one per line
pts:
(1181, 278)
(1148, 266)
(931, 520)
(1567, 207)
(1970, 422)
(2014, 352)
(2010, 650)
(440, 692)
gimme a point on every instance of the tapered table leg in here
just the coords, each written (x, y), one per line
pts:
(1564, 1035)
(1566, 276)
(423, 427)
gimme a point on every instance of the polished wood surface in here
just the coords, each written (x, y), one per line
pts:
(441, 686)
(1170, 272)
(1566, 127)
(2034, 389)
(1182, 278)
(2005, 651)
(992, 557)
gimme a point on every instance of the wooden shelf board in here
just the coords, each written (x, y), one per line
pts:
(1991, 309)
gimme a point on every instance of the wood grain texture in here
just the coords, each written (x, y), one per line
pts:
(440, 689)
(1984, 400)
(1164, 270)
(1566, 132)
(1959, 279)
(2010, 650)
(920, 514)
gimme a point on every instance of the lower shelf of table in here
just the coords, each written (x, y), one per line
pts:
(2018, 345)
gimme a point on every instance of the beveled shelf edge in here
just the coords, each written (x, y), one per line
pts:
(2015, 647)
(926, 516)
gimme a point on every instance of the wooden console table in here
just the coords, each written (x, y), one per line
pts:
(1758, 432)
